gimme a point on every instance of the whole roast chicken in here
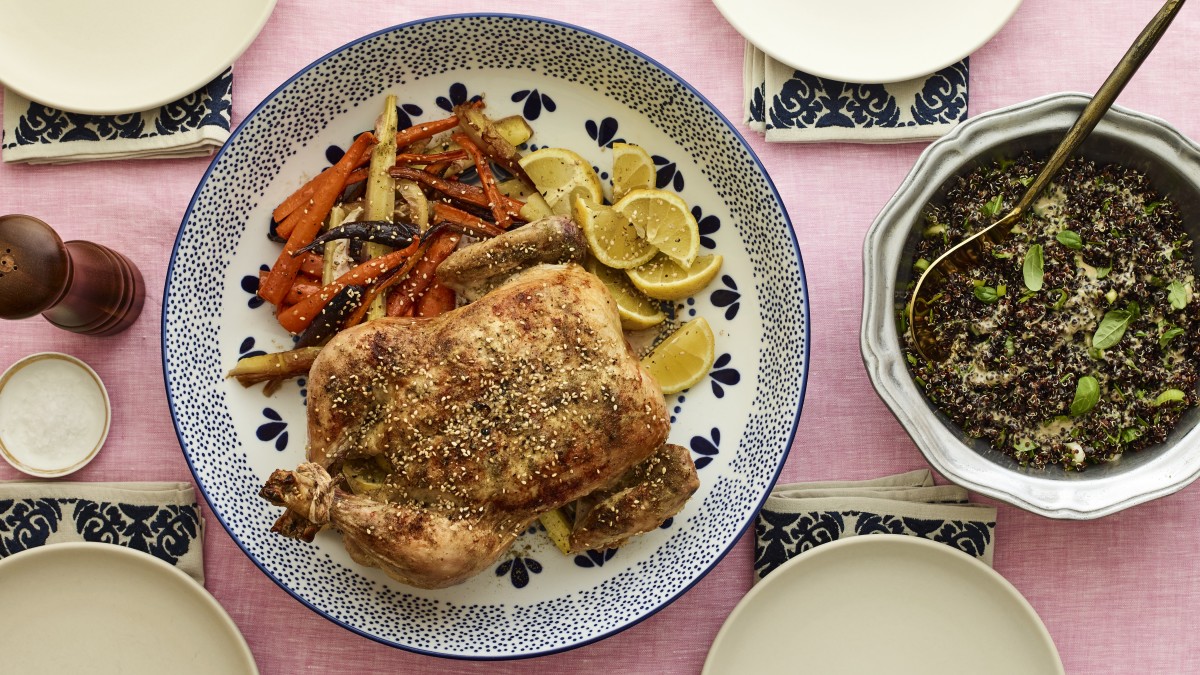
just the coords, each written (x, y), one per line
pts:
(434, 443)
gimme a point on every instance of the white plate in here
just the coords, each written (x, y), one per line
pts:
(578, 90)
(121, 56)
(101, 608)
(869, 41)
(884, 603)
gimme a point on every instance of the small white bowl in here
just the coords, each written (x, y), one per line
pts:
(54, 414)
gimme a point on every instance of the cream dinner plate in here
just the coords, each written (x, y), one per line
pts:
(883, 603)
(869, 41)
(121, 56)
(101, 608)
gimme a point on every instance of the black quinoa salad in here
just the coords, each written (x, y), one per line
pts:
(1075, 340)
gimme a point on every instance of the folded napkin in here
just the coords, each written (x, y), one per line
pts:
(791, 106)
(797, 517)
(194, 126)
(161, 519)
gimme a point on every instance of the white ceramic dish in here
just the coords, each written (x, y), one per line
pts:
(884, 603)
(121, 56)
(579, 90)
(101, 608)
(870, 41)
(54, 414)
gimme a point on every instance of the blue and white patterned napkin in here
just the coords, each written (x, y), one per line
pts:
(800, 516)
(194, 126)
(788, 105)
(162, 519)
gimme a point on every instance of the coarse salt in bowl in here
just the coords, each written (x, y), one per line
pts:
(54, 414)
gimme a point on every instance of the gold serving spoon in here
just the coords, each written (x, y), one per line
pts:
(967, 253)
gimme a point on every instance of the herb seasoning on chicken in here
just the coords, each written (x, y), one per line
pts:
(1077, 338)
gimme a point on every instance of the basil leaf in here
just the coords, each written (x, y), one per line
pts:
(1102, 272)
(1169, 396)
(986, 294)
(1177, 295)
(1087, 395)
(1062, 299)
(1069, 239)
(1111, 329)
(993, 206)
(1033, 268)
(1169, 335)
(1151, 207)
(1130, 434)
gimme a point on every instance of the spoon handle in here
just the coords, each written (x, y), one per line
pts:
(1100, 103)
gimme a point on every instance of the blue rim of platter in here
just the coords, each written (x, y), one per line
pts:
(195, 332)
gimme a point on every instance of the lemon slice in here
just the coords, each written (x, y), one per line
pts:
(663, 278)
(561, 175)
(665, 221)
(613, 239)
(632, 169)
(684, 358)
(636, 310)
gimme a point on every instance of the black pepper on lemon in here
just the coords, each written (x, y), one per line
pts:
(1075, 340)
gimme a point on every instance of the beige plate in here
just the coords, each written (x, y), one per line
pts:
(121, 56)
(867, 40)
(101, 608)
(883, 603)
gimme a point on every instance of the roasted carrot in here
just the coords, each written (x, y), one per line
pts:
(438, 299)
(356, 176)
(423, 130)
(312, 264)
(299, 291)
(382, 286)
(422, 275)
(297, 317)
(469, 194)
(438, 169)
(431, 158)
(477, 226)
(288, 224)
(308, 222)
(301, 278)
(495, 200)
(405, 137)
(301, 196)
(298, 198)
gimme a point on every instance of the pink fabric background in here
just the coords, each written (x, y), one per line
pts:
(1119, 595)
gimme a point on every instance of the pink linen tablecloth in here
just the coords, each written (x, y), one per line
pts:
(1119, 595)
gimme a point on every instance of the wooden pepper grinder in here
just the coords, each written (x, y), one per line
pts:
(78, 286)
